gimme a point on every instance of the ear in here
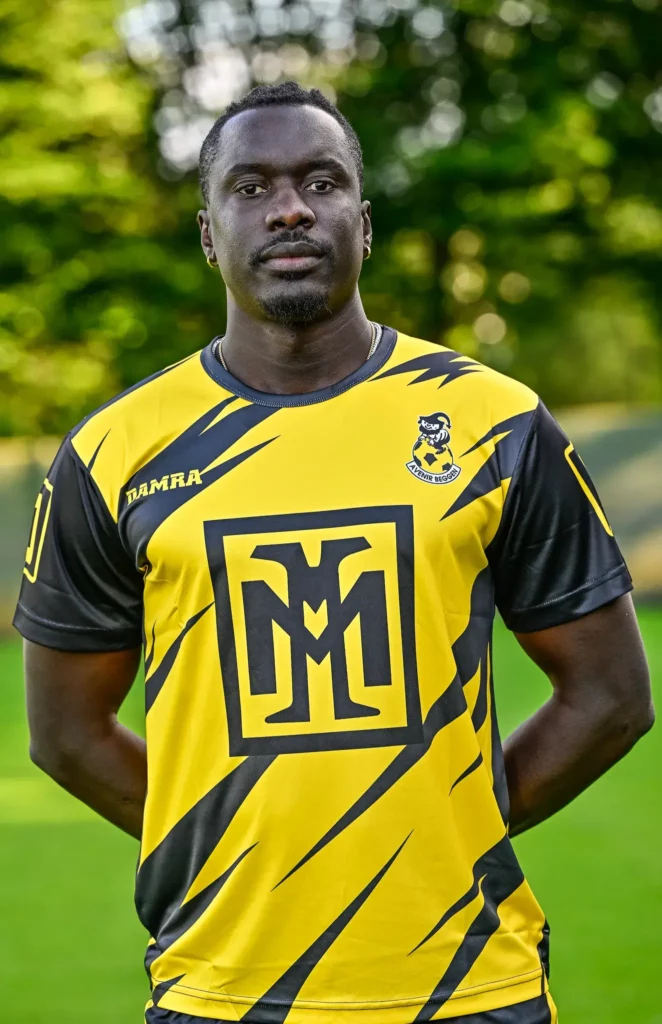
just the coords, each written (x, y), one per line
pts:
(206, 240)
(366, 214)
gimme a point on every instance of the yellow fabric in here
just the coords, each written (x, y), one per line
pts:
(348, 454)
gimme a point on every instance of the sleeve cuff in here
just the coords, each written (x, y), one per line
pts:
(62, 637)
(569, 607)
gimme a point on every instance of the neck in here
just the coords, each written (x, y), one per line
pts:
(285, 360)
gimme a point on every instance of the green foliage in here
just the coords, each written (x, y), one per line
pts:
(513, 161)
(531, 240)
(99, 281)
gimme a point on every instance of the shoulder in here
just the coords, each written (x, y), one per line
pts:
(494, 394)
(115, 440)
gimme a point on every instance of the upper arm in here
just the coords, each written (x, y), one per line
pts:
(74, 695)
(597, 659)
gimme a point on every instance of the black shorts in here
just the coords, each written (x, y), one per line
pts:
(533, 1011)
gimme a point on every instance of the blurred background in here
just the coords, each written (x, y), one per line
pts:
(513, 155)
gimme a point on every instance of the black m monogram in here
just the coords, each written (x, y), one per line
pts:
(386, 662)
(314, 586)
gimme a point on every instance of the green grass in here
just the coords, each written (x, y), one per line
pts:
(71, 947)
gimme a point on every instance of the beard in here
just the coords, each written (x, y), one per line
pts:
(290, 308)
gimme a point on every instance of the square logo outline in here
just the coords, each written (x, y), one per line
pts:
(216, 530)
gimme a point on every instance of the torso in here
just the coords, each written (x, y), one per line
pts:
(326, 819)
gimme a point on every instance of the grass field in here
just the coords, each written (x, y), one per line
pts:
(71, 947)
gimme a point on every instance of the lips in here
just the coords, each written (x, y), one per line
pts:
(291, 250)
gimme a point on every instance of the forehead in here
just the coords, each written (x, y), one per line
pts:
(282, 138)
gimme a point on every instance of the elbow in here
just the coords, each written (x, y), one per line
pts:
(55, 761)
(634, 720)
(645, 720)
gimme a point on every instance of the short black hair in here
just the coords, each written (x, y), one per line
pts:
(285, 94)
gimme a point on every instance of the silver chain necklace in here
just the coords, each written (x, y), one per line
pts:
(376, 330)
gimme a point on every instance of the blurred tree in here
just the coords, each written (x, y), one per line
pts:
(97, 289)
(512, 157)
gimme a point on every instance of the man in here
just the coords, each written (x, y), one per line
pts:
(325, 829)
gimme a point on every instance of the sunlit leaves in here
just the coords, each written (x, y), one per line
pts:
(513, 163)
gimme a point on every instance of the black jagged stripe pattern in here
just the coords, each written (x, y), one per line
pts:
(501, 876)
(175, 457)
(465, 899)
(186, 915)
(480, 870)
(476, 763)
(446, 363)
(168, 872)
(90, 465)
(499, 780)
(274, 1005)
(504, 427)
(501, 463)
(468, 650)
(479, 713)
(154, 682)
(201, 444)
(160, 990)
(149, 655)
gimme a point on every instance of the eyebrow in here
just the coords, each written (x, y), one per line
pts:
(325, 163)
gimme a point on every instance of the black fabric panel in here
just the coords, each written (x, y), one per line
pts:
(87, 595)
(552, 558)
(156, 1015)
(533, 1011)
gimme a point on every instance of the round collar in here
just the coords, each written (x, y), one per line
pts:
(217, 372)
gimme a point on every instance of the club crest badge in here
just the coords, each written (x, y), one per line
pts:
(431, 456)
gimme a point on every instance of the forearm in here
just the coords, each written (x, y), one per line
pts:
(561, 750)
(106, 770)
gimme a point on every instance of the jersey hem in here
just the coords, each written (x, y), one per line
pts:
(89, 639)
(476, 999)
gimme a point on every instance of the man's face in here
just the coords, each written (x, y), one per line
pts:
(285, 175)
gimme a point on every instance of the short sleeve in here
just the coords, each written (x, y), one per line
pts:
(554, 557)
(80, 589)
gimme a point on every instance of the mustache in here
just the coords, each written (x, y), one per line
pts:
(287, 238)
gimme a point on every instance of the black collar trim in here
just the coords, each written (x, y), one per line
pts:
(379, 357)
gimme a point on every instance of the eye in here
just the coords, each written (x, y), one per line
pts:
(328, 186)
(253, 185)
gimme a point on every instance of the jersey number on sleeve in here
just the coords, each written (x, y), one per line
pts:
(42, 511)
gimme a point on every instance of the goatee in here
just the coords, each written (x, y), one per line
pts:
(306, 308)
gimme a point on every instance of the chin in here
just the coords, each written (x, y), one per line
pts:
(291, 309)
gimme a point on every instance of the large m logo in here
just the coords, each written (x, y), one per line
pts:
(316, 629)
(314, 586)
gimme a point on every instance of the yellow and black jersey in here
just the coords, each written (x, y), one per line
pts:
(314, 579)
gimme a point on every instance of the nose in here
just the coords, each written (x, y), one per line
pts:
(289, 210)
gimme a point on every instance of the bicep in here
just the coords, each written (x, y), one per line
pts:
(73, 694)
(599, 656)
